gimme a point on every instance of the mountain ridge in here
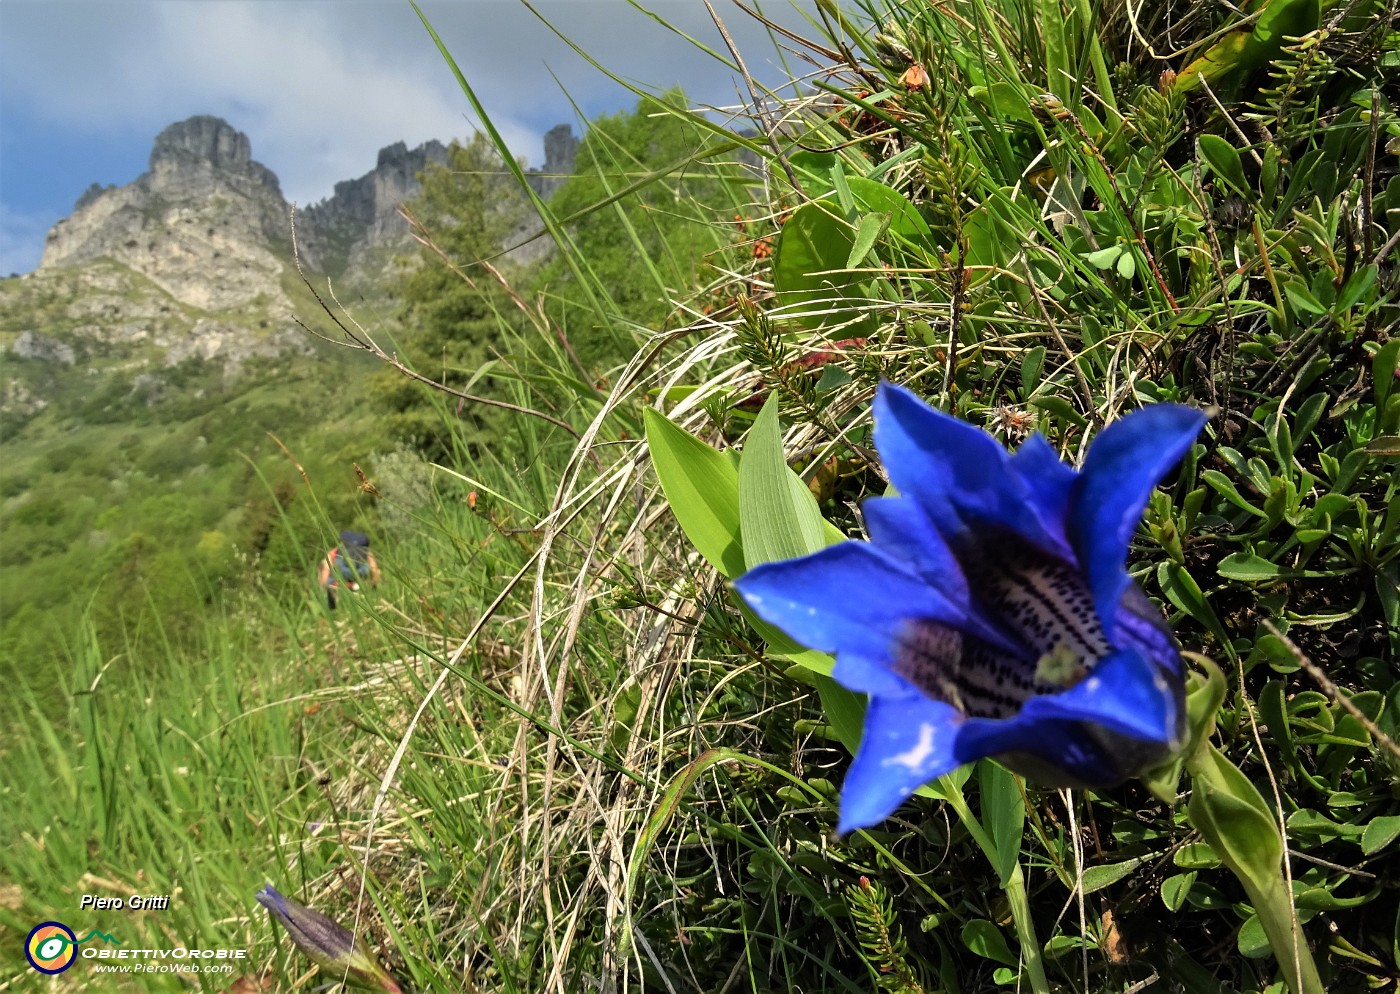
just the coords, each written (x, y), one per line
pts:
(194, 259)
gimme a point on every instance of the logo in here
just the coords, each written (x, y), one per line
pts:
(52, 947)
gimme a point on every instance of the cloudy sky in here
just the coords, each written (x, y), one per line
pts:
(320, 86)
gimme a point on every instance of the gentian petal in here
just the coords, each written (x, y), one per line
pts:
(1140, 625)
(901, 527)
(960, 474)
(1052, 753)
(1047, 476)
(850, 599)
(1124, 692)
(1125, 462)
(907, 743)
(943, 463)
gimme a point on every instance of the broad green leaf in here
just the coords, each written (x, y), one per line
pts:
(1252, 941)
(702, 487)
(1196, 856)
(809, 266)
(1357, 287)
(1006, 99)
(1384, 445)
(986, 940)
(844, 709)
(1104, 258)
(1321, 899)
(1031, 366)
(1380, 833)
(670, 802)
(817, 166)
(1246, 49)
(904, 218)
(778, 515)
(868, 228)
(1302, 299)
(1223, 486)
(1176, 889)
(1224, 160)
(1003, 815)
(1099, 877)
(1185, 593)
(1229, 812)
(1383, 368)
(1268, 173)
(1248, 567)
(1306, 821)
(1059, 407)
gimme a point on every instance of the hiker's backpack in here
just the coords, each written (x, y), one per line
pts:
(352, 558)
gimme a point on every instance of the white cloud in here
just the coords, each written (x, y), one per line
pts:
(321, 85)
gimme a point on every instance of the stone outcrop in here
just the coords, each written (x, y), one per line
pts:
(204, 223)
(191, 260)
(361, 218)
(560, 150)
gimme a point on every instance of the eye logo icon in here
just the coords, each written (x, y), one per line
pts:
(51, 947)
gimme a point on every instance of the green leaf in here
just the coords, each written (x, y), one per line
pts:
(1224, 160)
(844, 710)
(1229, 812)
(1302, 299)
(1380, 833)
(986, 940)
(1183, 591)
(1176, 888)
(1031, 366)
(1223, 486)
(668, 805)
(1241, 51)
(901, 216)
(1383, 368)
(1003, 815)
(1306, 821)
(702, 487)
(778, 515)
(1357, 287)
(1104, 258)
(1099, 877)
(1252, 942)
(1196, 856)
(869, 228)
(1248, 567)
(1060, 408)
(1006, 99)
(1383, 445)
(810, 274)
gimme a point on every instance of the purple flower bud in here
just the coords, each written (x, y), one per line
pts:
(328, 944)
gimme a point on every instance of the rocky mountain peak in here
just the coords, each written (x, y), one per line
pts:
(204, 138)
(203, 207)
(192, 256)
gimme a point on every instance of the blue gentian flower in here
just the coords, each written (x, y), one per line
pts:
(991, 613)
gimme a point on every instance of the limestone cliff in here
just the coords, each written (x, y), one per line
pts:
(350, 231)
(205, 223)
(193, 259)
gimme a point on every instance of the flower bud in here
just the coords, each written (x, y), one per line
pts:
(328, 944)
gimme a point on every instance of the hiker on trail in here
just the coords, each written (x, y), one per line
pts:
(350, 562)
